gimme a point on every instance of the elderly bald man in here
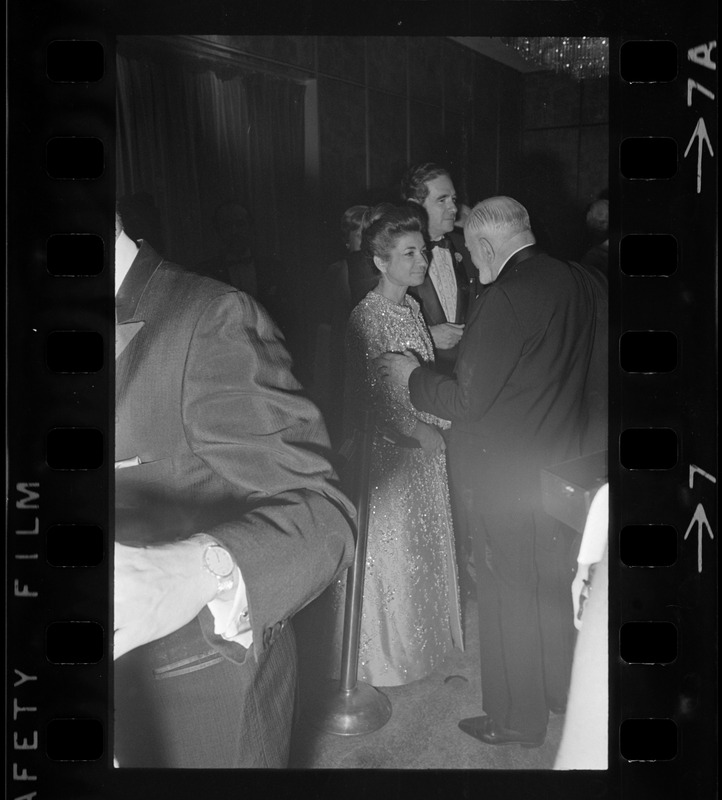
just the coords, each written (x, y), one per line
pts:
(517, 404)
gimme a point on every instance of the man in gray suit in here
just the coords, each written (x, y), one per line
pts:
(228, 521)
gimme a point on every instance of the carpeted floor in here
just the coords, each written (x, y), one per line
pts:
(422, 732)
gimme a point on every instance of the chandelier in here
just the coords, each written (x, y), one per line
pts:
(580, 56)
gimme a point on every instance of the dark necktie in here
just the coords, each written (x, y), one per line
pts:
(443, 242)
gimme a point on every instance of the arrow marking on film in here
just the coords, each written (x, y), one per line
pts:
(693, 468)
(700, 520)
(700, 133)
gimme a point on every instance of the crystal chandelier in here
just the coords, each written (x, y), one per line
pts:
(580, 56)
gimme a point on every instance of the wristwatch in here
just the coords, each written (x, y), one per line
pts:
(218, 561)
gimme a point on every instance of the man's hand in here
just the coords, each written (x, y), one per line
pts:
(429, 437)
(396, 367)
(446, 335)
(578, 586)
(158, 590)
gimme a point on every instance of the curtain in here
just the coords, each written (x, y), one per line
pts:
(276, 127)
(194, 137)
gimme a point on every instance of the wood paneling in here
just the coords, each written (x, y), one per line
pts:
(550, 100)
(293, 50)
(595, 101)
(342, 121)
(426, 132)
(387, 142)
(425, 68)
(483, 178)
(387, 63)
(458, 76)
(342, 56)
(455, 154)
(593, 162)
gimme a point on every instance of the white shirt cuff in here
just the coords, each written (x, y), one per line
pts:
(231, 617)
(596, 528)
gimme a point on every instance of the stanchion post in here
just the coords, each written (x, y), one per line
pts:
(352, 707)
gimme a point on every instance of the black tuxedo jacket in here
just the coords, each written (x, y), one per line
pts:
(467, 283)
(518, 397)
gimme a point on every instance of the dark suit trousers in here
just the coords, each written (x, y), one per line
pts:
(526, 631)
(205, 711)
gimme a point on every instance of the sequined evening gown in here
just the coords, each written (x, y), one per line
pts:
(410, 618)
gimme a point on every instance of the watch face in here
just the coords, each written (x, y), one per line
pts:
(219, 561)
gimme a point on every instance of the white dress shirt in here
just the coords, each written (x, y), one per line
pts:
(443, 278)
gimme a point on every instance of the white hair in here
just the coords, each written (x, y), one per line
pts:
(498, 214)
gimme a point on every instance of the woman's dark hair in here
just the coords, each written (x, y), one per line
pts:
(384, 224)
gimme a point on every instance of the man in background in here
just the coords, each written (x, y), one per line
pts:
(451, 283)
(446, 297)
(228, 520)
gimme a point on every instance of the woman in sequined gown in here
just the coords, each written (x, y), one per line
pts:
(410, 616)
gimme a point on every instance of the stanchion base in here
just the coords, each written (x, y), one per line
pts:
(351, 712)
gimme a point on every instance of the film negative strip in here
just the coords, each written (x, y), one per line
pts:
(662, 454)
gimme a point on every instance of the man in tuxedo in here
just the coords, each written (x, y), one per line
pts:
(446, 297)
(517, 405)
(451, 282)
(228, 521)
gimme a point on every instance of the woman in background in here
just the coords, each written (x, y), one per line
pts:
(410, 616)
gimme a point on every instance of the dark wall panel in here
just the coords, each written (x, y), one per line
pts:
(595, 101)
(511, 105)
(549, 189)
(483, 178)
(550, 100)
(341, 111)
(387, 141)
(551, 159)
(294, 50)
(565, 157)
(593, 162)
(426, 132)
(488, 88)
(458, 76)
(342, 56)
(455, 154)
(425, 73)
(496, 109)
(387, 63)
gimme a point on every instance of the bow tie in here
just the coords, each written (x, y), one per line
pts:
(443, 242)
